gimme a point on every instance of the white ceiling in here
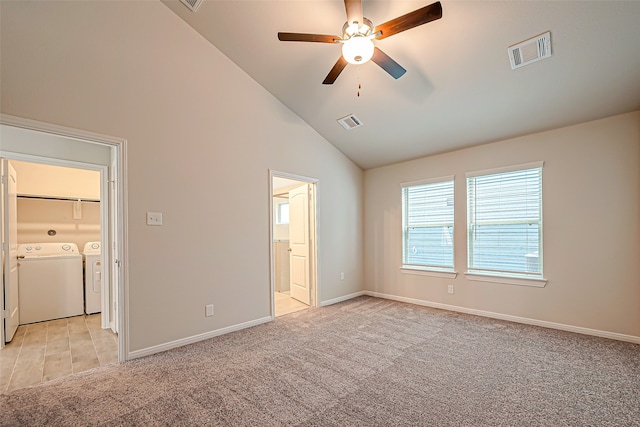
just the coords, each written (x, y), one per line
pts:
(279, 184)
(459, 89)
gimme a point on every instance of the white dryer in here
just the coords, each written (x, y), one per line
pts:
(49, 281)
(92, 278)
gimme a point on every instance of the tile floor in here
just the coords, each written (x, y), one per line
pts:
(44, 351)
(285, 304)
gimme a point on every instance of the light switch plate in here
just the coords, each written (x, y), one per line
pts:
(154, 218)
(208, 309)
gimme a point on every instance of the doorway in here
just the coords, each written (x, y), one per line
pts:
(27, 141)
(293, 241)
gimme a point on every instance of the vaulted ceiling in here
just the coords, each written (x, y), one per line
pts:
(459, 89)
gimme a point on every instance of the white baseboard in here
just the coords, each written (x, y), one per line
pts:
(195, 338)
(510, 318)
(552, 325)
(342, 298)
(200, 337)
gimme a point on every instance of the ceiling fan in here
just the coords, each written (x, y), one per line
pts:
(358, 34)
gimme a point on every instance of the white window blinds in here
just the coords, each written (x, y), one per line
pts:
(427, 225)
(504, 222)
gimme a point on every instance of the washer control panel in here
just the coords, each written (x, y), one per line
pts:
(92, 248)
(47, 249)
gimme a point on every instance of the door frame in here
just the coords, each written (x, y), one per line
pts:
(117, 256)
(314, 246)
(9, 216)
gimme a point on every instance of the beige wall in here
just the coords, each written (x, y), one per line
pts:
(37, 216)
(591, 206)
(45, 180)
(194, 123)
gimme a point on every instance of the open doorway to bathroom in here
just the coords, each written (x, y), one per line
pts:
(294, 246)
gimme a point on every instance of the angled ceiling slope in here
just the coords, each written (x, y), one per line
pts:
(459, 89)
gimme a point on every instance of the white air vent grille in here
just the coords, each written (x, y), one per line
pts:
(193, 5)
(350, 122)
(530, 50)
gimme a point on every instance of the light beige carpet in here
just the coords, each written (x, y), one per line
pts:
(364, 362)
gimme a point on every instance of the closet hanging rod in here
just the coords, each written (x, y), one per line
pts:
(64, 199)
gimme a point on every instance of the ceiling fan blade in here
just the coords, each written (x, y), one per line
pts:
(410, 20)
(354, 10)
(298, 37)
(389, 65)
(335, 71)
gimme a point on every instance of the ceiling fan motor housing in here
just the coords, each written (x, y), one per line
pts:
(364, 28)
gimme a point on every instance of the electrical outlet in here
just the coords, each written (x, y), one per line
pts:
(342, 276)
(208, 310)
(450, 290)
(154, 218)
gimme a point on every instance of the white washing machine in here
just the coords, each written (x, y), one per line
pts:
(49, 281)
(92, 278)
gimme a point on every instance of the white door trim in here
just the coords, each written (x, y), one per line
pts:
(10, 318)
(118, 148)
(314, 247)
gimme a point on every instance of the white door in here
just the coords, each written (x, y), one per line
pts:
(299, 244)
(10, 249)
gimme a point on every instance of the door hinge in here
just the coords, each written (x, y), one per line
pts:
(2, 179)
(5, 314)
(118, 263)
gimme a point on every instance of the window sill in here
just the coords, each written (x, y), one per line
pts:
(424, 272)
(520, 281)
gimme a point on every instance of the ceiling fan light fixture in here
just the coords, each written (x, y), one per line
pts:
(357, 50)
(357, 38)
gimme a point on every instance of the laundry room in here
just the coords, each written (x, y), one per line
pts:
(57, 228)
(57, 218)
(57, 204)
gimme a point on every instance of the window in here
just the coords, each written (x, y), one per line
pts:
(427, 225)
(282, 213)
(504, 222)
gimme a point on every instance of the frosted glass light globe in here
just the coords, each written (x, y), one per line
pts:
(357, 50)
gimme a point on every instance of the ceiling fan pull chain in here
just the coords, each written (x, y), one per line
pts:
(359, 84)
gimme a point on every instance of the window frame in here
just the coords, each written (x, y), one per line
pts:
(506, 277)
(436, 271)
(279, 212)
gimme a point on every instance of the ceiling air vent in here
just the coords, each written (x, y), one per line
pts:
(192, 4)
(350, 122)
(530, 50)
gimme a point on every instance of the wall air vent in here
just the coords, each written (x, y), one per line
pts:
(193, 5)
(530, 50)
(350, 122)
